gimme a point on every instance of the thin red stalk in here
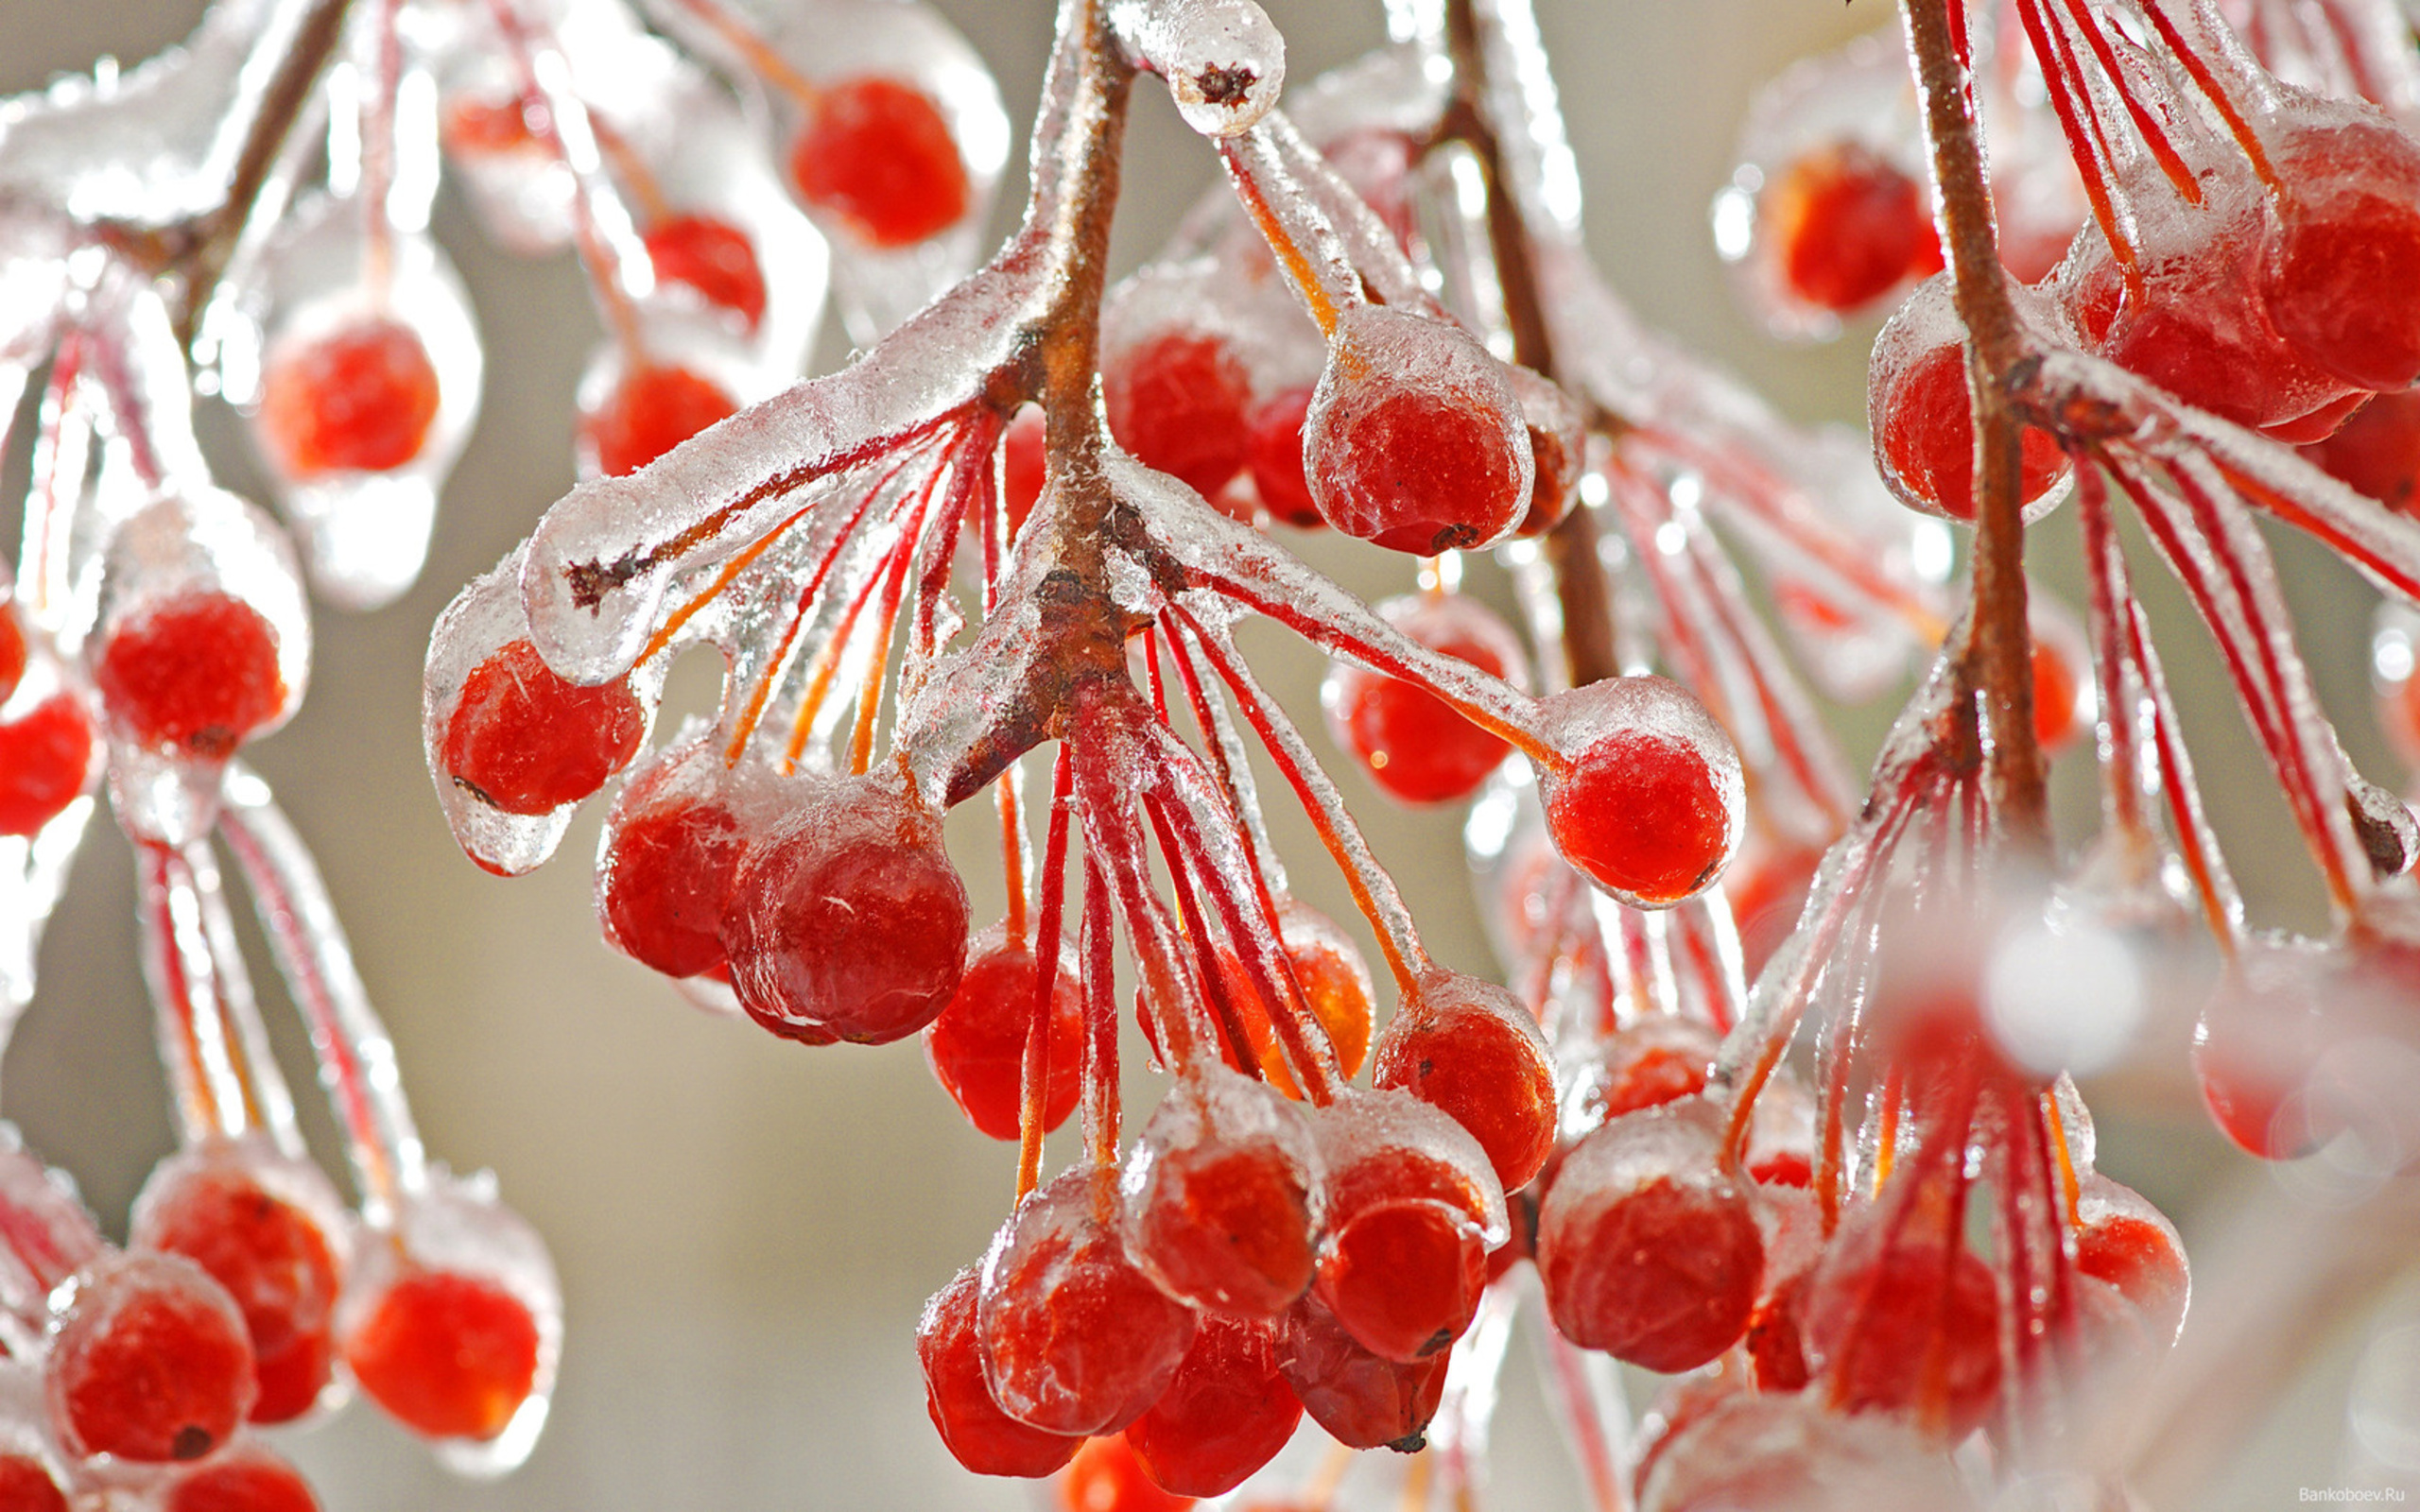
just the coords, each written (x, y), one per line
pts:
(2088, 144)
(878, 665)
(1404, 957)
(56, 487)
(1036, 1068)
(834, 648)
(2152, 130)
(1309, 1053)
(970, 479)
(210, 1098)
(2113, 667)
(2205, 79)
(1216, 732)
(378, 155)
(1100, 1019)
(1218, 991)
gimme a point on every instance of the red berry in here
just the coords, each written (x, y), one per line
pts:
(448, 1354)
(672, 844)
(149, 1362)
(2259, 1042)
(1469, 1049)
(2199, 329)
(192, 676)
(25, 1485)
(1646, 802)
(982, 1438)
(1658, 1059)
(1913, 1329)
(976, 1047)
(1274, 447)
(45, 755)
(1222, 1210)
(525, 741)
(2339, 272)
(1177, 402)
(1414, 439)
(1776, 1351)
(272, 1256)
(1024, 452)
(2378, 450)
(1645, 1248)
(1334, 979)
(877, 155)
(1106, 1476)
(1414, 745)
(12, 649)
(1846, 226)
(1412, 1209)
(848, 918)
(2126, 1242)
(1923, 420)
(359, 399)
(712, 257)
(1075, 1339)
(1363, 1400)
(654, 409)
(249, 1480)
(1225, 1415)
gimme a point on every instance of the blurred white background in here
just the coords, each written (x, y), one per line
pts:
(745, 1228)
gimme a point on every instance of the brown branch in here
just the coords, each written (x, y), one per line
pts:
(1994, 656)
(1581, 587)
(195, 252)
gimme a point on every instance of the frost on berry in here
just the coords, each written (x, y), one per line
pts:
(149, 1361)
(453, 1324)
(712, 257)
(670, 847)
(2340, 269)
(46, 760)
(27, 1485)
(2124, 1240)
(1075, 1338)
(1413, 1207)
(1645, 1248)
(1647, 800)
(1414, 439)
(523, 741)
(847, 918)
(270, 1231)
(1922, 415)
(1469, 1050)
(1222, 1197)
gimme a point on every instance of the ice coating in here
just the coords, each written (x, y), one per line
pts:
(666, 856)
(1223, 60)
(599, 564)
(483, 619)
(1641, 752)
(1222, 1196)
(1404, 394)
(147, 1360)
(456, 1226)
(1646, 1247)
(846, 918)
(50, 1234)
(363, 535)
(1075, 1338)
(355, 1055)
(1372, 1129)
(1785, 1452)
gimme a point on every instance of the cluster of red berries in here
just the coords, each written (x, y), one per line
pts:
(244, 1297)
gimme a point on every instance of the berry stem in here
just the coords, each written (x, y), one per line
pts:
(753, 49)
(1036, 1068)
(894, 582)
(1373, 891)
(377, 130)
(1995, 660)
(1101, 1017)
(356, 1056)
(62, 452)
(2199, 68)
(1016, 859)
(177, 965)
